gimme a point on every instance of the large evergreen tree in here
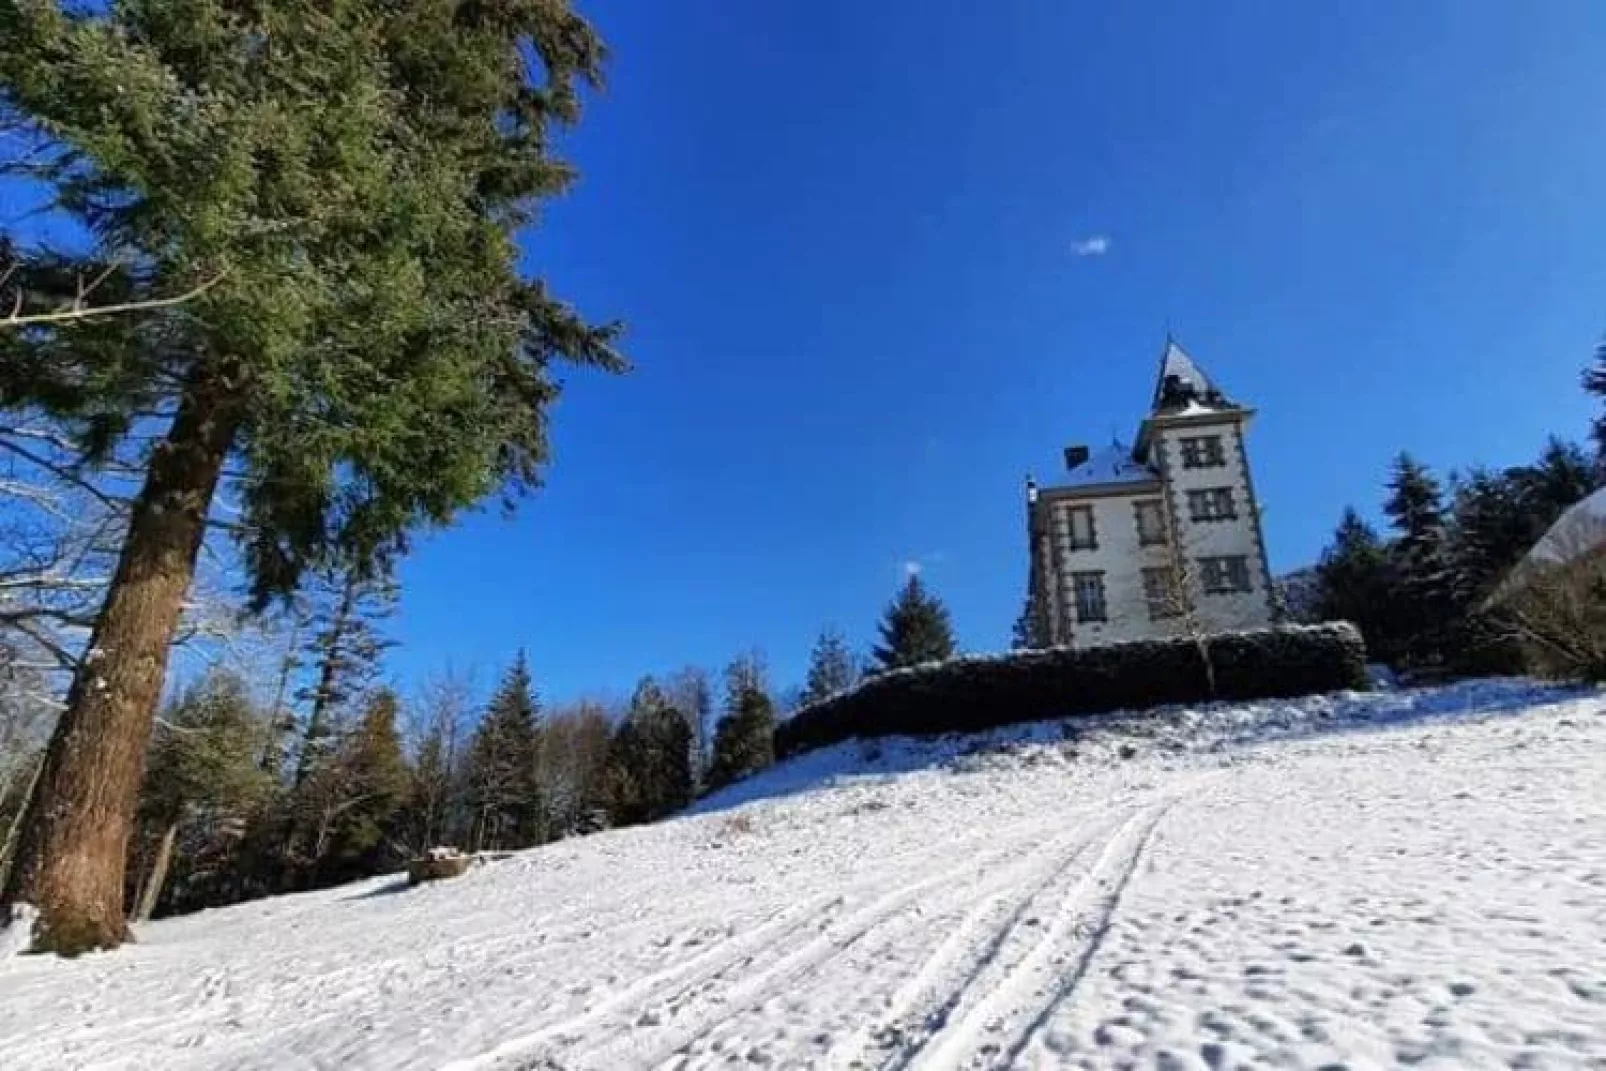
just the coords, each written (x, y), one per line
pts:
(1562, 476)
(350, 179)
(915, 629)
(1424, 588)
(504, 797)
(832, 668)
(1492, 528)
(744, 740)
(344, 649)
(649, 757)
(1353, 583)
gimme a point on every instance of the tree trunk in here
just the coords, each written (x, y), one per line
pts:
(272, 761)
(152, 890)
(323, 695)
(8, 844)
(73, 849)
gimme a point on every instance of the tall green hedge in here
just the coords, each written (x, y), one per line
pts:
(972, 694)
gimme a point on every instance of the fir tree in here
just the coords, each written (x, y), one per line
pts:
(365, 351)
(1353, 583)
(1424, 590)
(503, 795)
(1492, 528)
(744, 741)
(1595, 383)
(202, 781)
(915, 629)
(344, 649)
(832, 668)
(361, 833)
(1563, 476)
(649, 759)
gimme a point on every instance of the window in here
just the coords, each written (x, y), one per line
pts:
(1203, 452)
(1223, 576)
(1163, 593)
(1151, 523)
(1212, 504)
(1084, 536)
(1089, 589)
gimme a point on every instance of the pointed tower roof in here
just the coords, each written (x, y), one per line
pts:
(1182, 382)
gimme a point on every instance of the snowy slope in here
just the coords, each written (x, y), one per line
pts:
(1361, 881)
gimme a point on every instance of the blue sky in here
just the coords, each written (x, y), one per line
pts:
(844, 237)
(851, 244)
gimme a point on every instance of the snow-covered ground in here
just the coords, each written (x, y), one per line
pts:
(1363, 881)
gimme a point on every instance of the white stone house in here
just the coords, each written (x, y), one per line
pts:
(1162, 538)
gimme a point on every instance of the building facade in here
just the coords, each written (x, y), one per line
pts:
(1162, 538)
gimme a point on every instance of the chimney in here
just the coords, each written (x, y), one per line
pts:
(1075, 455)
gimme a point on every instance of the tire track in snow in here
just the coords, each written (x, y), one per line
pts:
(707, 964)
(618, 1015)
(973, 945)
(986, 882)
(996, 1027)
(747, 992)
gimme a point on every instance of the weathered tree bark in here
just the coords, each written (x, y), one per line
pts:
(151, 891)
(72, 852)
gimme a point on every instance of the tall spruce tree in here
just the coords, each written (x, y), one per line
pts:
(351, 178)
(744, 740)
(344, 650)
(1424, 590)
(832, 667)
(504, 796)
(649, 756)
(1353, 583)
(1491, 529)
(915, 629)
(1562, 476)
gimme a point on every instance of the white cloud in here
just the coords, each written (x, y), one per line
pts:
(921, 562)
(1095, 245)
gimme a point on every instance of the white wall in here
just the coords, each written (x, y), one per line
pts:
(1121, 560)
(1250, 609)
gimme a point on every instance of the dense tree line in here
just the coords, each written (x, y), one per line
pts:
(1419, 591)
(226, 812)
(313, 772)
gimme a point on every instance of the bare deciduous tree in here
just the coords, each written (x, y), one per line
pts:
(439, 722)
(1554, 603)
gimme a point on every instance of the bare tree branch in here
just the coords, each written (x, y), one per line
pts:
(80, 310)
